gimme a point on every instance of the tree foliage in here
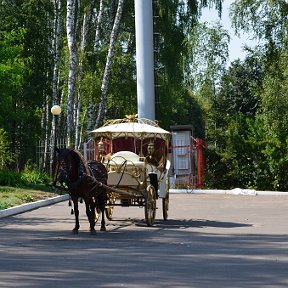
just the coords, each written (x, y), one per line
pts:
(24, 36)
(241, 111)
(250, 112)
(35, 51)
(266, 20)
(6, 157)
(208, 54)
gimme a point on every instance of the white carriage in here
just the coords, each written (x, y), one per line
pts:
(135, 153)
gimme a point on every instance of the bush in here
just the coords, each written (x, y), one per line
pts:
(32, 176)
(220, 170)
(27, 177)
(10, 178)
(6, 157)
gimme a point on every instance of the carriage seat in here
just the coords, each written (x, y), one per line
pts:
(133, 169)
(121, 156)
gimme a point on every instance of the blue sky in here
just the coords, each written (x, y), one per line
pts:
(236, 43)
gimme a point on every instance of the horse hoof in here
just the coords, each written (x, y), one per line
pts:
(75, 231)
(103, 228)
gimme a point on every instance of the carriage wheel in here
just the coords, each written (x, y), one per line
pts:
(109, 208)
(165, 202)
(150, 205)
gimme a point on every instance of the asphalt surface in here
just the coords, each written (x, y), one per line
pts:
(209, 241)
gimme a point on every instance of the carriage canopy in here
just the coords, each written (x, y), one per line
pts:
(137, 128)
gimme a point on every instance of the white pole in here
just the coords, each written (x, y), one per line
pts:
(145, 59)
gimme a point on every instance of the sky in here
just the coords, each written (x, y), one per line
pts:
(236, 43)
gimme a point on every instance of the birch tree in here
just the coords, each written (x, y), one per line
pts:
(72, 45)
(98, 26)
(91, 107)
(55, 77)
(104, 87)
(87, 21)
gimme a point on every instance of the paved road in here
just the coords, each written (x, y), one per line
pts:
(209, 241)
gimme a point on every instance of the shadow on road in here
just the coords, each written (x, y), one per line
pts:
(197, 223)
(39, 250)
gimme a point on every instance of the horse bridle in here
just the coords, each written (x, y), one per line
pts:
(61, 164)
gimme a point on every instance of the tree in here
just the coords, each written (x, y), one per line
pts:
(73, 59)
(46, 62)
(86, 23)
(30, 20)
(6, 157)
(267, 21)
(56, 45)
(174, 21)
(275, 115)
(205, 63)
(233, 114)
(13, 68)
(239, 92)
(102, 111)
(208, 55)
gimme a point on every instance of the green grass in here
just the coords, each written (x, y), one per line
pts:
(14, 196)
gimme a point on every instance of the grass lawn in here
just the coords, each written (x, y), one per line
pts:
(14, 196)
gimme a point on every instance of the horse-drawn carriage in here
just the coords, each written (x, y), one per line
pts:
(135, 154)
(130, 169)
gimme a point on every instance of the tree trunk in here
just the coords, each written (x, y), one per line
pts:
(80, 78)
(91, 107)
(46, 142)
(55, 88)
(85, 26)
(104, 87)
(98, 26)
(71, 39)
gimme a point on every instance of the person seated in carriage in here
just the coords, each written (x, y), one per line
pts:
(101, 156)
(154, 157)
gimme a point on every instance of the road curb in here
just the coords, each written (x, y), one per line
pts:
(236, 191)
(31, 206)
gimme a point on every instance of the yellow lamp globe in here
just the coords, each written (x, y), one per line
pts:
(56, 110)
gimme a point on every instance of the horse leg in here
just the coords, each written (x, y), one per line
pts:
(76, 212)
(90, 212)
(102, 208)
(103, 225)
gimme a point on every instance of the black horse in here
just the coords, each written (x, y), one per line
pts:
(79, 176)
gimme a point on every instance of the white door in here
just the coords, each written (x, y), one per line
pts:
(181, 152)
